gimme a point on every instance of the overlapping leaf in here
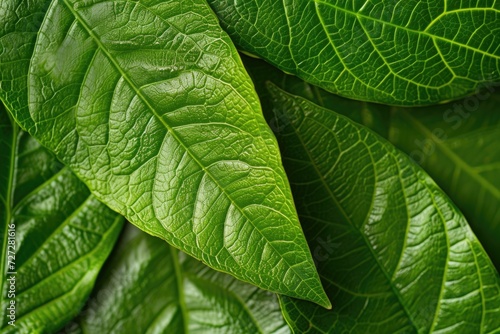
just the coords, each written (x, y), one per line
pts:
(456, 143)
(150, 287)
(149, 104)
(395, 52)
(59, 236)
(374, 116)
(395, 254)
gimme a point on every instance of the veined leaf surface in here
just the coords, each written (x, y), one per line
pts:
(456, 143)
(60, 235)
(375, 116)
(394, 52)
(21, 22)
(149, 104)
(150, 287)
(397, 256)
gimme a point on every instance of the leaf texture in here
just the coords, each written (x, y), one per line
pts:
(150, 287)
(456, 143)
(149, 104)
(375, 116)
(61, 235)
(394, 52)
(21, 21)
(393, 251)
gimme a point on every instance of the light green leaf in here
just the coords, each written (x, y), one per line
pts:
(150, 287)
(149, 104)
(55, 236)
(395, 52)
(393, 251)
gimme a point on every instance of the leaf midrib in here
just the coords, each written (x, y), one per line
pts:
(179, 279)
(170, 129)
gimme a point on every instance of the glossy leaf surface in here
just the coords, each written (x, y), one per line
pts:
(149, 104)
(61, 235)
(456, 143)
(394, 52)
(150, 287)
(394, 253)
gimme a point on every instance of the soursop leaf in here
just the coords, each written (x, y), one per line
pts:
(393, 251)
(150, 287)
(149, 104)
(55, 236)
(393, 52)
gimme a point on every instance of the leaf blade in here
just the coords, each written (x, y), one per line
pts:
(387, 52)
(455, 143)
(140, 101)
(458, 149)
(393, 260)
(178, 294)
(51, 210)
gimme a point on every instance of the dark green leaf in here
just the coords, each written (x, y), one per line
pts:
(150, 287)
(375, 116)
(395, 52)
(393, 251)
(149, 104)
(60, 235)
(21, 22)
(458, 144)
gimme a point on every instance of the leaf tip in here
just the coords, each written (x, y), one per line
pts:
(325, 302)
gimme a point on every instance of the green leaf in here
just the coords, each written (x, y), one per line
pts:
(374, 116)
(21, 22)
(458, 144)
(150, 287)
(55, 236)
(394, 52)
(393, 251)
(149, 104)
